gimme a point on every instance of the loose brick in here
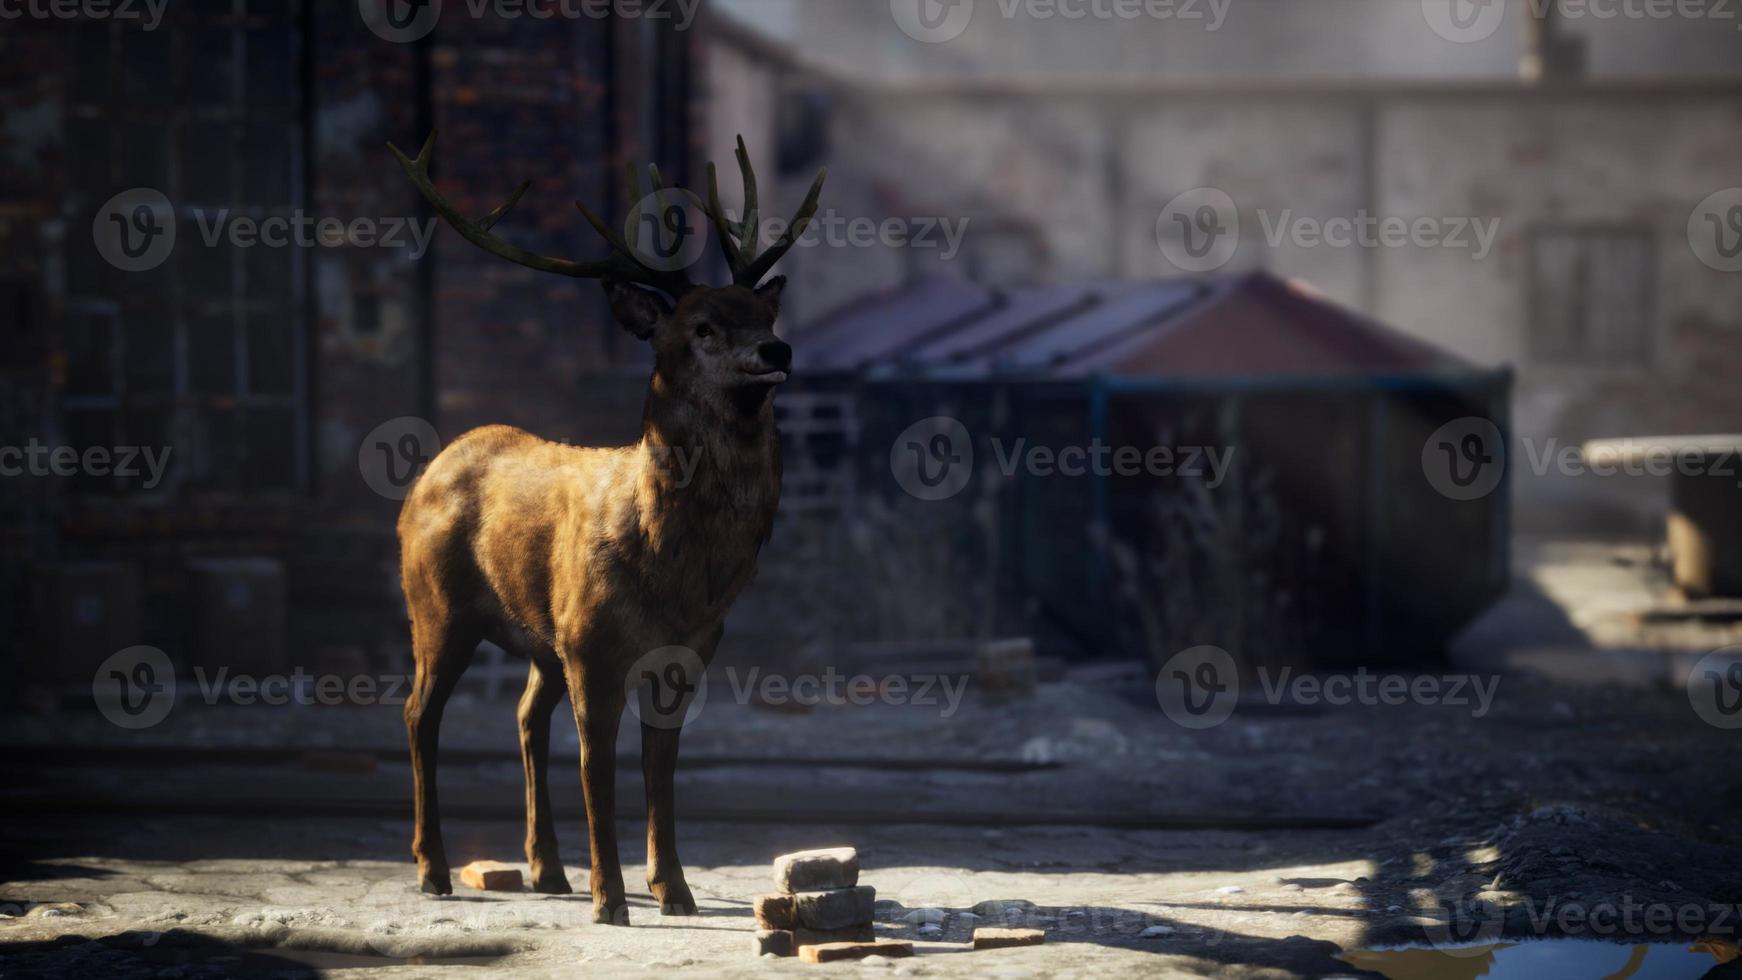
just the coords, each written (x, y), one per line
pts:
(776, 912)
(491, 876)
(836, 952)
(817, 937)
(809, 871)
(838, 908)
(1002, 938)
(776, 941)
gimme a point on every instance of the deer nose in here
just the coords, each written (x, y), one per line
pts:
(776, 354)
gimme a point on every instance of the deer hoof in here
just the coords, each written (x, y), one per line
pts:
(434, 884)
(552, 884)
(687, 907)
(608, 915)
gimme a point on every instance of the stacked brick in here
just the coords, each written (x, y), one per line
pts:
(819, 912)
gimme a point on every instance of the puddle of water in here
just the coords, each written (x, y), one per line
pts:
(291, 962)
(1546, 959)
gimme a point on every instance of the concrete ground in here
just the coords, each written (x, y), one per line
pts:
(1268, 846)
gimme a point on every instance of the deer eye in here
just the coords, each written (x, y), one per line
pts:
(704, 331)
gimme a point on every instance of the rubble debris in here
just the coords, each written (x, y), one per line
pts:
(773, 942)
(837, 908)
(818, 870)
(987, 938)
(491, 876)
(836, 952)
(776, 911)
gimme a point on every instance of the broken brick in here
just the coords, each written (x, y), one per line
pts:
(1003, 938)
(491, 876)
(809, 871)
(777, 942)
(836, 952)
(838, 908)
(775, 912)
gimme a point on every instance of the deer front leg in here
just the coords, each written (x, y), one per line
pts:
(660, 732)
(598, 704)
(664, 874)
(544, 689)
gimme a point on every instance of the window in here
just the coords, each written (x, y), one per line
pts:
(1592, 295)
(204, 352)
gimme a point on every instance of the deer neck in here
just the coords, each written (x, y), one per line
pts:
(713, 467)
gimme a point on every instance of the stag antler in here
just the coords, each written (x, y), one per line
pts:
(740, 239)
(623, 264)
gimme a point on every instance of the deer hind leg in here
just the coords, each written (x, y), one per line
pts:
(544, 688)
(598, 704)
(442, 648)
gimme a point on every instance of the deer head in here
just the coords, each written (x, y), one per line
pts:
(714, 344)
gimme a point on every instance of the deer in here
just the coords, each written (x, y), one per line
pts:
(582, 560)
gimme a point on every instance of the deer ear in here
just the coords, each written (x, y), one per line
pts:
(637, 310)
(769, 292)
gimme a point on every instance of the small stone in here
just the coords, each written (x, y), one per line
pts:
(491, 876)
(775, 912)
(837, 908)
(920, 917)
(1005, 938)
(886, 909)
(1155, 932)
(54, 910)
(819, 870)
(1229, 890)
(773, 942)
(836, 952)
(930, 930)
(1003, 906)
